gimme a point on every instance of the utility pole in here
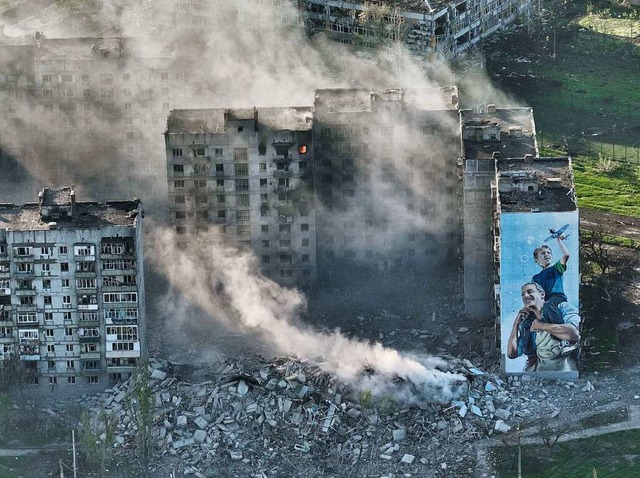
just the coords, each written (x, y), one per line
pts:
(73, 444)
(61, 469)
(519, 453)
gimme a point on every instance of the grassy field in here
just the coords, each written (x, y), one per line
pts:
(579, 72)
(616, 191)
(616, 455)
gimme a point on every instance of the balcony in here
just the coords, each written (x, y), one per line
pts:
(25, 275)
(86, 274)
(121, 368)
(24, 258)
(24, 292)
(87, 306)
(89, 356)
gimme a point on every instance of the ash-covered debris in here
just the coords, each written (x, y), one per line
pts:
(288, 417)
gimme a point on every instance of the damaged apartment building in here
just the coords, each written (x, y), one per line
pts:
(71, 291)
(506, 179)
(73, 98)
(245, 175)
(345, 183)
(431, 29)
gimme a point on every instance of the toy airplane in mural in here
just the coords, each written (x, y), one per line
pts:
(557, 233)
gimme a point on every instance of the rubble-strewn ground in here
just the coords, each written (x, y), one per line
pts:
(223, 411)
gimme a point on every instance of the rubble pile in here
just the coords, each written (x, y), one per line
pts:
(287, 417)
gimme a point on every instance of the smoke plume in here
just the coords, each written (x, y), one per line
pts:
(226, 285)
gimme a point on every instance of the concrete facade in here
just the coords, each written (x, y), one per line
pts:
(432, 30)
(386, 178)
(486, 136)
(362, 180)
(72, 291)
(245, 176)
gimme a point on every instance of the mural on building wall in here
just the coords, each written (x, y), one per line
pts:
(539, 283)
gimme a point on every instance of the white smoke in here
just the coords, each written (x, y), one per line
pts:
(226, 285)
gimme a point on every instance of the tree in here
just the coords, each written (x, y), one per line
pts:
(97, 436)
(596, 251)
(141, 407)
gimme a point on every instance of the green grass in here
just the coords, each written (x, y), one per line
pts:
(616, 455)
(616, 415)
(617, 191)
(14, 466)
(627, 26)
(586, 98)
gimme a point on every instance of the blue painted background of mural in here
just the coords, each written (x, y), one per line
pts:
(520, 234)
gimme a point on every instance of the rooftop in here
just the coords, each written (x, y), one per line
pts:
(535, 184)
(356, 100)
(57, 196)
(510, 132)
(214, 120)
(88, 215)
(422, 6)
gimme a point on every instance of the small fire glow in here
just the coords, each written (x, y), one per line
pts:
(302, 149)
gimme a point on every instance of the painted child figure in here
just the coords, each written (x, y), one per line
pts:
(550, 279)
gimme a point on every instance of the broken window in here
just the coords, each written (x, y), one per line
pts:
(244, 230)
(264, 228)
(178, 168)
(218, 151)
(201, 168)
(242, 169)
(181, 215)
(201, 199)
(242, 184)
(263, 182)
(304, 227)
(240, 154)
(243, 215)
(266, 259)
(178, 184)
(262, 167)
(305, 257)
(286, 259)
(243, 200)
(180, 199)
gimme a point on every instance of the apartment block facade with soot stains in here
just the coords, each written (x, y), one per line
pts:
(433, 30)
(72, 308)
(364, 180)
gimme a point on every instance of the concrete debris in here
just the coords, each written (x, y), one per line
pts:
(249, 415)
(399, 434)
(406, 458)
(588, 387)
(158, 374)
(501, 426)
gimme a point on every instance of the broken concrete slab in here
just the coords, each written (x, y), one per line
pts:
(407, 458)
(199, 436)
(158, 374)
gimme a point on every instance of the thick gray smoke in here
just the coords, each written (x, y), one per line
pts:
(236, 53)
(226, 284)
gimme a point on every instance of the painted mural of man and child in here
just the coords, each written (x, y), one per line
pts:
(546, 329)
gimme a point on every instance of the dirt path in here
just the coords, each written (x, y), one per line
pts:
(530, 436)
(624, 226)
